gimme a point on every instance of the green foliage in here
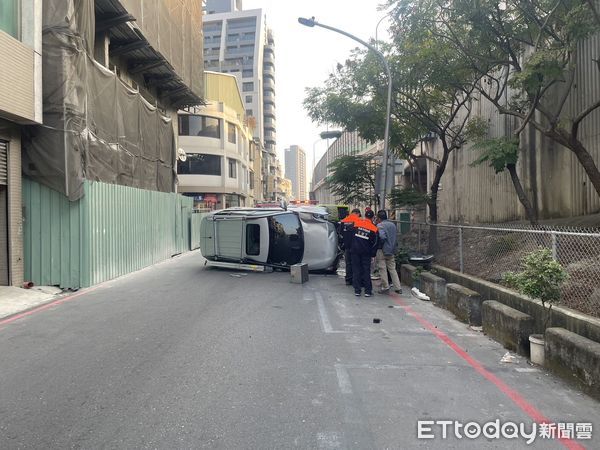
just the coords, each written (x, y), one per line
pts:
(352, 179)
(417, 275)
(402, 256)
(534, 42)
(541, 278)
(499, 152)
(403, 197)
(477, 129)
(542, 68)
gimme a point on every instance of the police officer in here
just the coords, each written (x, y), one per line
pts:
(364, 247)
(347, 232)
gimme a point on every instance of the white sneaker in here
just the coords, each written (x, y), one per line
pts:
(375, 277)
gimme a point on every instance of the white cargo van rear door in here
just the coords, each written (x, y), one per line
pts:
(229, 233)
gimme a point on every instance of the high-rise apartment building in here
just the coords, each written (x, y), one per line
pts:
(238, 42)
(295, 170)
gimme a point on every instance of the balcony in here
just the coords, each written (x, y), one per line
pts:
(269, 57)
(270, 136)
(269, 69)
(268, 82)
(136, 42)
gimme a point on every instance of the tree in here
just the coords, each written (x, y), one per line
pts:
(527, 56)
(541, 278)
(352, 179)
(432, 94)
(407, 197)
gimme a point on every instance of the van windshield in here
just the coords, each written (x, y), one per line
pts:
(286, 241)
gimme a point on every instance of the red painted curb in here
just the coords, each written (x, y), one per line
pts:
(45, 306)
(517, 399)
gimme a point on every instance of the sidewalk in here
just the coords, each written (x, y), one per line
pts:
(14, 300)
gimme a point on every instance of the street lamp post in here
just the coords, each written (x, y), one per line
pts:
(312, 23)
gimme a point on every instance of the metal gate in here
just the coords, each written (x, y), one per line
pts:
(3, 163)
(4, 272)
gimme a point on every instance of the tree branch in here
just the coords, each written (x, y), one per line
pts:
(581, 116)
(594, 11)
(543, 27)
(564, 96)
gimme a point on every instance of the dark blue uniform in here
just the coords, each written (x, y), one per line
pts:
(364, 247)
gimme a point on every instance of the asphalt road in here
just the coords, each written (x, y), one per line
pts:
(181, 356)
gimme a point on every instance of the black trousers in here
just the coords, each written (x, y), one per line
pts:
(348, 261)
(361, 273)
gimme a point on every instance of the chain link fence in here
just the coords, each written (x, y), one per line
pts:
(489, 252)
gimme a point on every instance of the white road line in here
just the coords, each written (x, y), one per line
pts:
(323, 314)
(343, 379)
(368, 366)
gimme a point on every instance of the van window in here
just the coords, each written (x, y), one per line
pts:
(253, 239)
(286, 244)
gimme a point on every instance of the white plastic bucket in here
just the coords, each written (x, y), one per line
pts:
(536, 349)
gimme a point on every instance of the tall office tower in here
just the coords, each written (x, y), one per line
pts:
(221, 6)
(295, 170)
(238, 42)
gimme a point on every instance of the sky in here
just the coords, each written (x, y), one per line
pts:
(304, 57)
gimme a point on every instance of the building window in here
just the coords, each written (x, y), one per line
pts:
(248, 87)
(194, 125)
(249, 113)
(232, 200)
(200, 164)
(231, 133)
(248, 73)
(251, 180)
(232, 168)
(252, 239)
(10, 17)
(248, 99)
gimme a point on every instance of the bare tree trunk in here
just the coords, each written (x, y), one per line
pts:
(433, 246)
(581, 153)
(530, 211)
(586, 160)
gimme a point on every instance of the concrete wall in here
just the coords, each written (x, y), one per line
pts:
(567, 318)
(508, 326)
(21, 75)
(575, 358)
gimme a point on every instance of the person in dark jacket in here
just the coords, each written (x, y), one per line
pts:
(364, 247)
(347, 231)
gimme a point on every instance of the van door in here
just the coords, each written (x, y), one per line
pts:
(207, 237)
(230, 236)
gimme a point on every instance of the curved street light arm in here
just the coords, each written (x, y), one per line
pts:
(385, 164)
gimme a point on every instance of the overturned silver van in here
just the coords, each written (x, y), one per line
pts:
(251, 238)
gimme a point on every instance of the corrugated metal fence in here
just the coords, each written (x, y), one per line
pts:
(113, 230)
(195, 230)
